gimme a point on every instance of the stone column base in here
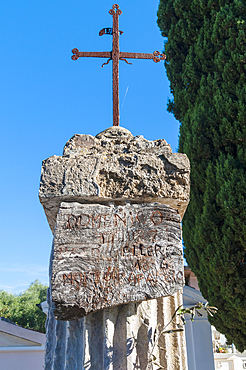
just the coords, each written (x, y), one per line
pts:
(119, 338)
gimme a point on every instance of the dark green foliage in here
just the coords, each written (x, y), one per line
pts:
(206, 66)
(22, 309)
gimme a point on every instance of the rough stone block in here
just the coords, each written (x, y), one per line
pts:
(114, 166)
(105, 256)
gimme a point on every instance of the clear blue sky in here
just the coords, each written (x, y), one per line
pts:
(46, 98)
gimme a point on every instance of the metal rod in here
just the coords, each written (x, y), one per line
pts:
(156, 56)
(94, 54)
(115, 11)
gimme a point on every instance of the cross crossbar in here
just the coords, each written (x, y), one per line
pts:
(116, 55)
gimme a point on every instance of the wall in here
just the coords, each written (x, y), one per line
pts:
(22, 358)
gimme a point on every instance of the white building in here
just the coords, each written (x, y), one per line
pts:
(20, 349)
(198, 334)
(226, 357)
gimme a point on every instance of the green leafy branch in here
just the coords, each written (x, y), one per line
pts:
(193, 310)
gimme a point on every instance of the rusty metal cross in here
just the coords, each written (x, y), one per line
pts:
(115, 55)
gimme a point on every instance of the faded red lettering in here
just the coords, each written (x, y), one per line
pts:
(169, 276)
(150, 279)
(130, 213)
(72, 222)
(137, 265)
(154, 218)
(121, 219)
(132, 277)
(140, 277)
(94, 219)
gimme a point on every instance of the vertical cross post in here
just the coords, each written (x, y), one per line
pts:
(115, 12)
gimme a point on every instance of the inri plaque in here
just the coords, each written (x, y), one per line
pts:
(110, 255)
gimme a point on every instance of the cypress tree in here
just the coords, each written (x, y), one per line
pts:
(206, 66)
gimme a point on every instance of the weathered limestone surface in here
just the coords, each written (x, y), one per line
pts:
(109, 255)
(117, 338)
(114, 166)
(117, 239)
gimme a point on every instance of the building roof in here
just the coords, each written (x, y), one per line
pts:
(12, 335)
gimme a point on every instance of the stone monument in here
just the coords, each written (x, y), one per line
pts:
(114, 203)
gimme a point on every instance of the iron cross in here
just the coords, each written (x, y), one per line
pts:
(115, 55)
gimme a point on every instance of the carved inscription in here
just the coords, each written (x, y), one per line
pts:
(109, 255)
